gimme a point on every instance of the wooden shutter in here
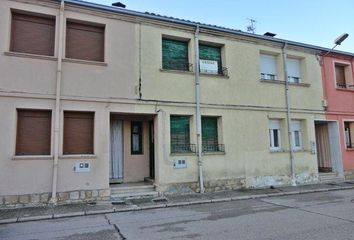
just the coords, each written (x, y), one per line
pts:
(32, 34)
(78, 132)
(33, 132)
(179, 133)
(175, 55)
(210, 133)
(84, 41)
(212, 53)
(340, 76)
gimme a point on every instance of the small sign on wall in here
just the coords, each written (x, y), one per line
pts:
(82, 167)
(208, 66)
(179, 163)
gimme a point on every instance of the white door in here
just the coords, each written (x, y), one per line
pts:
(116, 163)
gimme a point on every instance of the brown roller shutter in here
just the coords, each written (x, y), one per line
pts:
(84, 41)
(33, 132)
(32, 34)
(78, 132)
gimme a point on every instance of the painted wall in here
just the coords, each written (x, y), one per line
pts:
(340, 102)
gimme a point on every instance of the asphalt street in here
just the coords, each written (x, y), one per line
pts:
(323, 215)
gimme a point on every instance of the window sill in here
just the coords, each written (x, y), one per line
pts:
(345, 89)
(32, 157)
(182, 154)
(277, 151)
(214, 153)
(283, 82)
(349, 149)
(78, 156)
(28, 55)
(176, 71)
(214, 75)
(70, 60)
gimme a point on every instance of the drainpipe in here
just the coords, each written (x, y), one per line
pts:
(53, 199)
(288, 116)
(199, 118)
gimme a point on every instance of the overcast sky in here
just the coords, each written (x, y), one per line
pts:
(316, 22)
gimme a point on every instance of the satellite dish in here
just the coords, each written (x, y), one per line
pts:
(341, 38)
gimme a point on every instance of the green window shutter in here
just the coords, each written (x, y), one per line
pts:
(210, 133)
(212, 53)
(175, 55)
(179, 133)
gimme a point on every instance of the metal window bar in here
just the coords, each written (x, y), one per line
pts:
(183, 148)
(213, 148)
(177, 65)
(343, 85)
(268, 76)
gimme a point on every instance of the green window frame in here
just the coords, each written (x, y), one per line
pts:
(212, 53)
(180, 134)
(210, 141)
(175, 55)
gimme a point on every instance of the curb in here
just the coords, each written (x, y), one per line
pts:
(167, 205)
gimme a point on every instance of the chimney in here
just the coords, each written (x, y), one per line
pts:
(118, 4)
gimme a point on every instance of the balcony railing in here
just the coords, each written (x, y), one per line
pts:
(177, 65)
(267, 76)
(345, 86)
(183, 148)
(213, 148)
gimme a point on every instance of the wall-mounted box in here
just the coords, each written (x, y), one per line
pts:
(82, 167)
(179, 163)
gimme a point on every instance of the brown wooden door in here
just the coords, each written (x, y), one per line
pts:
(323, 148)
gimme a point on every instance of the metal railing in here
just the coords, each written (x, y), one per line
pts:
(267, 76)
(177, 65)
(183, 148)
(344, 85)
(213, 148)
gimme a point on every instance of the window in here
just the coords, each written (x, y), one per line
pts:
(296, 134)
(210, 59)
(78, 132)
(175, 55)
(210, 135)
(180, 141)
(293, 67)
(343, 74)
(85, 41)
(268, 67)
(349, 134)
(136, 138)
(33, 132)
(274, 134)
(33, 34)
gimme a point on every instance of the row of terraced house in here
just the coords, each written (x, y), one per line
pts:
(100, 101)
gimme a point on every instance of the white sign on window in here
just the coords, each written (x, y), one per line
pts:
(208, 66)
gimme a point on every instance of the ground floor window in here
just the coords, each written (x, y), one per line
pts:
(136, 138)
(33, 132)
(180, 134)
(296, 134)
(78, 132)
(349, 134)
(274, 134)
(210, 141)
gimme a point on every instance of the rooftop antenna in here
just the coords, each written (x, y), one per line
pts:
(251, 27)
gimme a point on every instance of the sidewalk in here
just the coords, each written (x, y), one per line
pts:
(62, 211)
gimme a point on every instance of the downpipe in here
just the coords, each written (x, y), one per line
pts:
(288, 116)
(198, 115)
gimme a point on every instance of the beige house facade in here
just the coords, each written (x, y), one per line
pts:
(123, 114)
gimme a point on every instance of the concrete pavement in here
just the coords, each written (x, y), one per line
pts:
(323, 215)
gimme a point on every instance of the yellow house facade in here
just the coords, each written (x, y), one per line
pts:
(81, 121)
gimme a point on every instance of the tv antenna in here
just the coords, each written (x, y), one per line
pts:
(252, 26)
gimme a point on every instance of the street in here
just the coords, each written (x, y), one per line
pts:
(324, 215)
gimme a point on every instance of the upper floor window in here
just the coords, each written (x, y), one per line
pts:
(84, 41)
(175, 55)
(32, 33)
(349, 134)
(268, 67)
(33, 132)
(294, 72)
(274, 134)
(210, 59)
(343, 75)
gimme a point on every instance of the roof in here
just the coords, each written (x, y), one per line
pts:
(159, 17)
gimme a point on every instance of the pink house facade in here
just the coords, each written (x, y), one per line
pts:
(338, 91)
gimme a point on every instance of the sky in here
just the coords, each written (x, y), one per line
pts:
(316, 22)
